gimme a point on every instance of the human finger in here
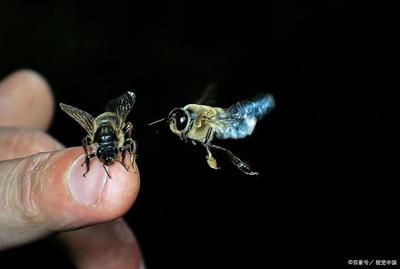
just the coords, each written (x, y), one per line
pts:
(26, 100)
(107, 245)
(89, 246)
(21, 142)
(46, 193)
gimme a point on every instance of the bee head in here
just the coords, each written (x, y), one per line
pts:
(179, 120)
(107, 154)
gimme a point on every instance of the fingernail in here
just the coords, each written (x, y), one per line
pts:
(87, 190)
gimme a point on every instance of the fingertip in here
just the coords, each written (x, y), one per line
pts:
(93, 198)
(26, 100)
(38, 200)
(107, 245)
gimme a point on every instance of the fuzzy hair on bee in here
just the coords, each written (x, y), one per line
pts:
(201, 123)
(109, 136)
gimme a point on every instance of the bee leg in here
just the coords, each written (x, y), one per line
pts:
(244, 167)
(210, 159)
(105, 169)
(85, 142)
(128, 130)
(209, 136)
(87, 158)
(87, 162)
(132, 151)
(122, 161)
(129, 146)
(212, 162)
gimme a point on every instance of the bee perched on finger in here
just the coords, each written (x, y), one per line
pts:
(108, 135)
(201, 123)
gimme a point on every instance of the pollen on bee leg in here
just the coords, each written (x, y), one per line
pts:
(212, 162)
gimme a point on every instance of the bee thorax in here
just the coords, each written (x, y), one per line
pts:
(105, 134)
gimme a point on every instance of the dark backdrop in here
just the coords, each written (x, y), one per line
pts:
(327, 155)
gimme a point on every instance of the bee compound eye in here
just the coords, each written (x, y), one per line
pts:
(181, 120)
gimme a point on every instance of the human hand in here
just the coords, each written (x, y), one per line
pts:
(42, 190)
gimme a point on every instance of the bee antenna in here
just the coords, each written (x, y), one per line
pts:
(157, 121)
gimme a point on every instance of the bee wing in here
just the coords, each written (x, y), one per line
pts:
(122, 106)
(80, 116)
(208, 96)
(257, 106)
(241, 118)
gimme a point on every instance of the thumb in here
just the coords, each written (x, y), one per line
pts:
(47, 192)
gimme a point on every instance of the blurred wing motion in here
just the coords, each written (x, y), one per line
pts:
(241, 118)
(208, 96)
(80, 116)
(122, 106)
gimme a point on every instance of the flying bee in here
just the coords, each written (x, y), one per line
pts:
(108, 135)
(201, 123)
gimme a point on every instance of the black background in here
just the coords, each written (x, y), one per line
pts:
(327, 155)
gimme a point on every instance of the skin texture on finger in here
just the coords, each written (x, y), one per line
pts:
(46, 193)
(26, 100)
(21, 142)
(88, 249)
